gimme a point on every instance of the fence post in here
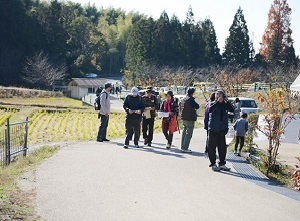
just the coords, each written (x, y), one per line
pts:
(7, 142)
(25, 138)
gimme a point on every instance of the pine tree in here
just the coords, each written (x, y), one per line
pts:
(177, 57)
(139, 44)
(212, 52)
(277, 43)
(162, 48)
(193, 44)
(237, 45)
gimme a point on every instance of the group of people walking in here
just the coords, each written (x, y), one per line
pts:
(142, 110)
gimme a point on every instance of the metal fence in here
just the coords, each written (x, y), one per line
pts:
(13, 142)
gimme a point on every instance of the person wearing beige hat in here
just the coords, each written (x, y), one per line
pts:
(149, 116)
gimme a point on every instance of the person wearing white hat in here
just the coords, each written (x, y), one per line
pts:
(134, 107)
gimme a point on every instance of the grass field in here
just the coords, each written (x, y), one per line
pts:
(55, 102)
(14, 203)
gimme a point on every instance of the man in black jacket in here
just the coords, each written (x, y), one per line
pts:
(134, 107)
(218, 128)
(188, 116)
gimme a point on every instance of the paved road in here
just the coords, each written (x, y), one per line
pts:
(103, 181)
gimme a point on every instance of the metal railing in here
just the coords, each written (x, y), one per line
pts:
(13, 142)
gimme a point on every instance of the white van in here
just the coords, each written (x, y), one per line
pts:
(248, 105)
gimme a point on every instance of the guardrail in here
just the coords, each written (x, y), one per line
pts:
(13, 142)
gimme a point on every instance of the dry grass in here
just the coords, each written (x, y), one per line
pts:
(15, 204)
(10, 92)
(55, 102)
(74, 126)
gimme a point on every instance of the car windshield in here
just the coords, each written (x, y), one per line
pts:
(248, 103)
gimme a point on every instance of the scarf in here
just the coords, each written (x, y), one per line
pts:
(167, 106)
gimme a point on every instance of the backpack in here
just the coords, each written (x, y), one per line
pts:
(97, 104)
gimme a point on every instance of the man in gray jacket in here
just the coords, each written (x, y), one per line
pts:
(188, 107)
(104, 112)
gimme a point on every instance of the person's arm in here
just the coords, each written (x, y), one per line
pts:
(234, 125)
(175, 107)
(125, 104)
(103, 103)
(162, 106)
(230, 107)
(246, 126)
(213, 106)
(155, 103)
(194, 104)
(142, 105)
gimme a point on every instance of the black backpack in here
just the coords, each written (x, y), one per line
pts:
(97, 104)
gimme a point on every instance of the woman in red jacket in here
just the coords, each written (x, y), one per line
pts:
(169, 124)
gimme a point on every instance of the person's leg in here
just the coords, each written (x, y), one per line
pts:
(213, 138)
(237, 140)
(222, 149)
(137, 130)
(170, 139)
(102, 128)
(183, 137)
(165, 127)
(242, 143)
(145, 127)
(128, 125)
(151, 128)
(189, 133)
(106, 126)
(206, 145)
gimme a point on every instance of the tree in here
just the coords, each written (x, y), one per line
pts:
(277, 43)
(280, 111)
(211, 52)
(237, 45)
(193, 44)
(39, 71)
(162, 44)
(139, 44)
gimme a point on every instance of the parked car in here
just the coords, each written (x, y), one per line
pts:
(248, 105)
(91, 75)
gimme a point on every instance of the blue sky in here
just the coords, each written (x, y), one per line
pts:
(221, 12)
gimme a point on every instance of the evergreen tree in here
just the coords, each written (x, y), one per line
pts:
(162, 45)
(176, 41)
(139, 44)
(211, 52)
(237, 45)
(277, 43)
(193, 45)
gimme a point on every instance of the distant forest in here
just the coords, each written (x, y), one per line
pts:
(47, 41)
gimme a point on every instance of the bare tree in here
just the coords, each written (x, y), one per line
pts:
(41, 72)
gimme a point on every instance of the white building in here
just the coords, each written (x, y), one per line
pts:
(79, 87)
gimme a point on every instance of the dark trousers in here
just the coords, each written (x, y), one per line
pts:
(103, 127)
(168, 135)
(206, 144)
(134, 123)
(131, 132)
(217, 139)
(148, 125)
(239, 140)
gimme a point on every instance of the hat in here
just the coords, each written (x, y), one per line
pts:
(134, 91)
(191, 91)
(107, 85)
(149, 88)
(222, 92)
(170, 93)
